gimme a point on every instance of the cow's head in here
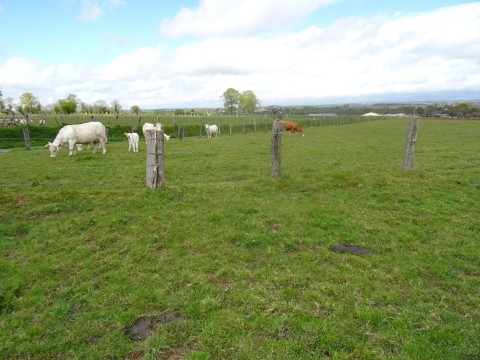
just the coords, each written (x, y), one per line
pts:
(54, 149)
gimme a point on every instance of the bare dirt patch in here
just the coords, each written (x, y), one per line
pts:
(143, 327)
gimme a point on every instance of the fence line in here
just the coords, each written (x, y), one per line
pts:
(140, 180)
(243, 127)
(140, 167)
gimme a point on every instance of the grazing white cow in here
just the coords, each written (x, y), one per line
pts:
(132, 141)
(149, 126)
(212, 130)
(91, 132)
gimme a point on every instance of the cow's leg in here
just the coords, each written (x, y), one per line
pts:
(72, 147)
(102, 143)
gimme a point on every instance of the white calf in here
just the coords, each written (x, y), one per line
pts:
(132, 141)
(212, 130)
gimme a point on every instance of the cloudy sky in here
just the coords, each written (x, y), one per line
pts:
(186, 53)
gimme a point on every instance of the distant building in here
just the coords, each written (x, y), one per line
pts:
(375, 114)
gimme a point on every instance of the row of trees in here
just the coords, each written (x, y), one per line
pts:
(235, 102)
(460, 110)
(71, 104)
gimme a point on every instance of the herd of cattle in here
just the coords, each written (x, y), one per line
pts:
(74, 136)
(21, 122)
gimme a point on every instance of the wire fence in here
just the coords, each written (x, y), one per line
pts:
(190, 126)
(470, 164)
(33, 175)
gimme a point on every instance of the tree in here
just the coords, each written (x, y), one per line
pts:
(1, 101)
(135, 109)
(248, 102)
(231, 99)
(67, 105)
(116, 107)
(28, 104)
(83, 107)
(460, 110)
(9, 105)
(100, 107)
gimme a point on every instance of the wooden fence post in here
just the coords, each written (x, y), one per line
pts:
(410, 145)
(181, 132)
(275, 149)
(155, 158)
(26, 136)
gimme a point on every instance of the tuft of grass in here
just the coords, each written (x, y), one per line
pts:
(86, 248)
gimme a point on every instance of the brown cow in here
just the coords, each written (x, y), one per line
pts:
(292, 126)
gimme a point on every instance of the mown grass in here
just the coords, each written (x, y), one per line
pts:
(86, 248)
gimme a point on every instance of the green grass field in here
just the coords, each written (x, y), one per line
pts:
(246, 261)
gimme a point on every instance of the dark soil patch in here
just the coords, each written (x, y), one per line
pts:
(145, 325)
(93, 339)
(351, 249)
(276, 227)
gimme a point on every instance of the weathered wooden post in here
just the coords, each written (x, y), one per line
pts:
(26, 136)
(410, 145)
(155, 158)
(181, 132)
(277, 131)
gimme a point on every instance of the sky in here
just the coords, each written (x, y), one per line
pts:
(186, 53)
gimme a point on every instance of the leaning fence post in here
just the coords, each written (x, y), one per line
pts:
(26, 136)
(277, 131)
(410, 145)
(155, 158)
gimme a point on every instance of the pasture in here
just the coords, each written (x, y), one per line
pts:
(230, 264)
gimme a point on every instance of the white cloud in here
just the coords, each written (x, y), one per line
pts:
(428, 52)
(91, 10)
(214, 18)
(116, 3)
(94, 9)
